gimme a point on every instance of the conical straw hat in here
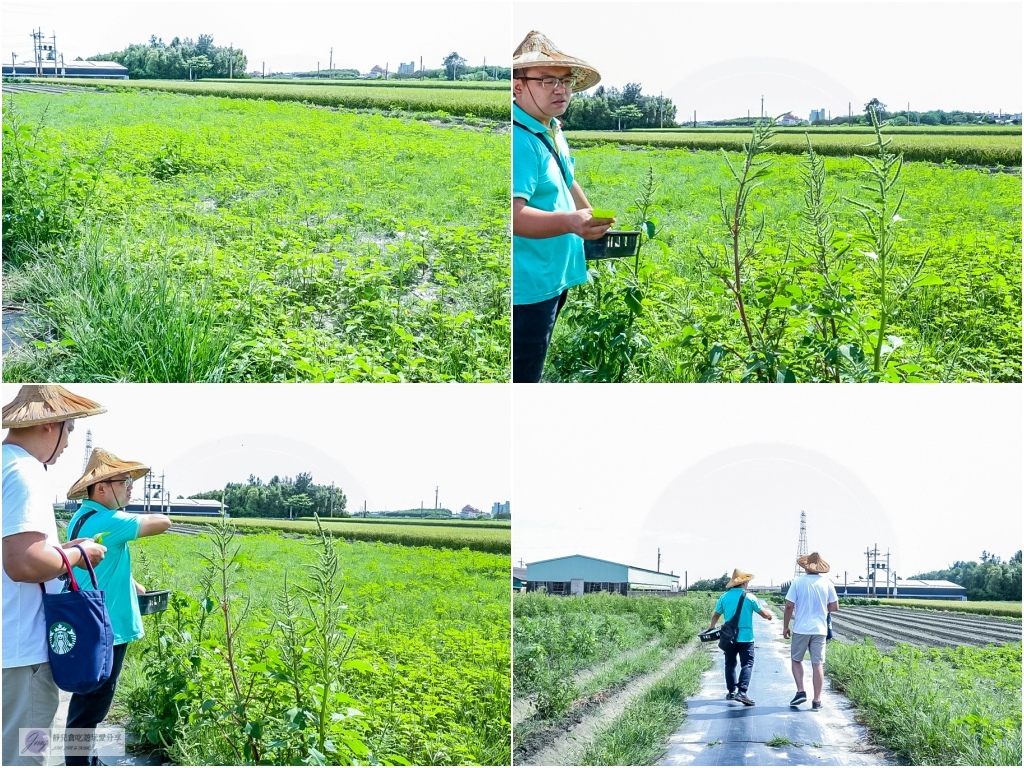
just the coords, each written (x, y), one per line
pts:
(813, 563)
(47, 404)
(738, 577)
(103, 465)
(537, 50)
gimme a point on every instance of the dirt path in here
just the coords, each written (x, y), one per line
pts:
(564, 749)
(525, 707)
(719, 732)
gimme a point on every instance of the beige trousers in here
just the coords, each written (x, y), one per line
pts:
(30, 700)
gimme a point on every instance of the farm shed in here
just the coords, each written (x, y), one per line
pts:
(204, 507)
(106, 69)
(917, 589)
(579, 575)
(518, 579)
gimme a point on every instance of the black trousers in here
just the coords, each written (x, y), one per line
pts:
(532, 326)
(745, 653)
(87, 710)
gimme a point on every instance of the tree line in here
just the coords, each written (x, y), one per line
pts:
(179, 59)
(281, 497)
(608, 109)
(991, 579)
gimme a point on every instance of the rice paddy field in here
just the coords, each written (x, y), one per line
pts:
(453, 535)
(153, 236)
(989, 146)
(401, 657)
(482, 100)
(819, 304)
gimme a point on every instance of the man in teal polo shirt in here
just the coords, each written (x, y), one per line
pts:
(107, 483)
(743, 648)
(551, 216)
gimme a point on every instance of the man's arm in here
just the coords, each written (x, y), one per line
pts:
(537, 224)
(151, 525)
(787, 616)
(766, 613)
(28, 558)
(833, 607)
(714, 619)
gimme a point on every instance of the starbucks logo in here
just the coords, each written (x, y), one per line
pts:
(62, 637)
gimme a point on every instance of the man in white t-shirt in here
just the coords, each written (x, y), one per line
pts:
(39, 420)
(809, 601)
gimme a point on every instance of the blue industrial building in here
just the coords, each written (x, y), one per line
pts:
(580, 575)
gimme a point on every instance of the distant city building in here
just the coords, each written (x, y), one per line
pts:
(497, 508)
(817, 114)
(377, 71)
(470, 512)
(406, 69)
(789, 119)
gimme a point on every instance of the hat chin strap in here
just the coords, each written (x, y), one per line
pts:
(60, 434)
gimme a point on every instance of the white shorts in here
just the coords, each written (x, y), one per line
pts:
(802, 643)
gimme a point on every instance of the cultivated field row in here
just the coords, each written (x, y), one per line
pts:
(888, 627)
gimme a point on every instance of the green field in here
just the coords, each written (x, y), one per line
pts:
(458, 85)
(427, 672)
(162, 237)
(813, 293)
(411, 533)
(981, 607)
(493, 103)
(955, 706)
(995, 147)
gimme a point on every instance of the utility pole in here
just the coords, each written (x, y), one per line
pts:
(762, 106)
(264, 70)
(231, 61)
(332, 499)
(695, 118)
(436, 489)
(661, 109)
(330, 66)
(658, 569)
(849, 111)
(421, 67)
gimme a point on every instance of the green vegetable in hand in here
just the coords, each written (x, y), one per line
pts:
(603, 213)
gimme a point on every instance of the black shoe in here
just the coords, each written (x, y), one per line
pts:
(816, 706)
(730, 696)
(800, 698)
(741, 696)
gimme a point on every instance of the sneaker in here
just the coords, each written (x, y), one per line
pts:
(816, 706)
(742, 697)
(799, 699)
(730, 696)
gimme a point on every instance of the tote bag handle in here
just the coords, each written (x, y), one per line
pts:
(71, 575)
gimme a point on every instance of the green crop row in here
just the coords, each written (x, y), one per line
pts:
(958, 706)
(494, 540)
(428, 668)
(487, 103)
(987, 149)
(847, 130)
(556, 636)
(456, 85)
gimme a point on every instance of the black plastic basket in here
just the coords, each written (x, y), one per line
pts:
(154, 602)
(711, 635)
(614, 245)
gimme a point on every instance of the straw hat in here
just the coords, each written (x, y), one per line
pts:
(738, 577)
(46, 404)
(813, 563)
(537, 50)
(103, 465)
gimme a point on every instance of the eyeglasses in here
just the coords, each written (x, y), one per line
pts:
(550, 83)
(128, 482)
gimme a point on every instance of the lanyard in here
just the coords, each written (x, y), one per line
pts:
(551, 149)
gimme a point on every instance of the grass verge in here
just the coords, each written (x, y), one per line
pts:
(637, 737)
(955, 706)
